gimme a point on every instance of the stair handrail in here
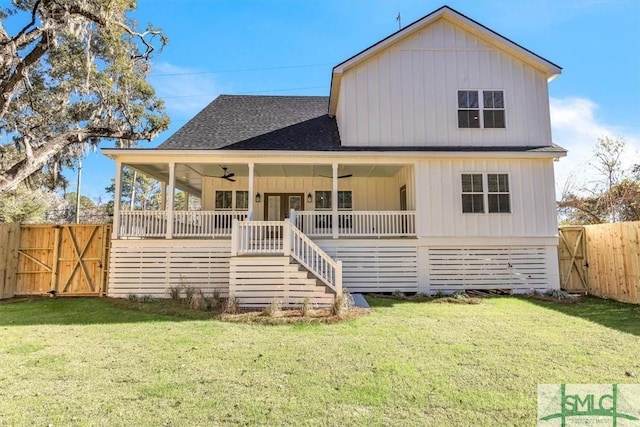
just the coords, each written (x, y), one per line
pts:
(305, 251)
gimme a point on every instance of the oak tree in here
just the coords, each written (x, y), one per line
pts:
(72, 74)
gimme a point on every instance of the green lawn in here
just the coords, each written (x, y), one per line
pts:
(70, 362)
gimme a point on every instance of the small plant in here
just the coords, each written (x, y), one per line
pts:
(147, 299)
(189, 292)
(306, 307)
(338, 304)
(216, 294)
(557, 294)
(132, 297)
(274, 309)
(174, 292)
(421, 295)
(398, 293)
(197, 301)
(232, 305)
(460, 295)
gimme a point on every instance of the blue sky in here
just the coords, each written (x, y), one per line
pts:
(289, 48)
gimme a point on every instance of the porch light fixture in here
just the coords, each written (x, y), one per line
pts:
(309, 198)
(258, 198)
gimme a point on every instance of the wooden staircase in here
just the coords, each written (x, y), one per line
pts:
(259, 280)
(275, 261)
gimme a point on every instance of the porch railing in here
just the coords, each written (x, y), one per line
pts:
(356, 223)
(284, 238)
(257, 238)
(209, 224)
(217, 224)
(143, 223)
(205, 223)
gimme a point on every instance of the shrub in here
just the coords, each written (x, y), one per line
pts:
(197, 301)
(306, 307)
(232, 305)
(174, 292)
(274, 309)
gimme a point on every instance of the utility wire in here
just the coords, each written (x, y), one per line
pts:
(282, 67)
(249, 93)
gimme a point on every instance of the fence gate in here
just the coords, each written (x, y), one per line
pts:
(70, 259)
(573, 260)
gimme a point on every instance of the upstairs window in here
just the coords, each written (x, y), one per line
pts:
(481, 112)
(493, 113)
(468, 109)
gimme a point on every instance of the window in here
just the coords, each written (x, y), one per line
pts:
(468, 112)
(497, 196)
(493, 114)
(345, 200)
(242, 200)
(223, 199)
(472, 193)
(491, 105)
(323, 200)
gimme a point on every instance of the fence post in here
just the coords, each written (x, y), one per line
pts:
(338, 279)
(286, 237)
(235, 236)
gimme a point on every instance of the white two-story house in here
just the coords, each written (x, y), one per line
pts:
(429, 167)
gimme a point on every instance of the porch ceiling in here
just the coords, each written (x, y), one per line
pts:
(189, 176)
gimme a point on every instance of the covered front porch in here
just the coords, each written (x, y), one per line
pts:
(332, 200)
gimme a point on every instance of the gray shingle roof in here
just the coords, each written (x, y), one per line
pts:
(288, 123)
(259, 122)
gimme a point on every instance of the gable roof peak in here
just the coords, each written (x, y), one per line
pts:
(444, 12)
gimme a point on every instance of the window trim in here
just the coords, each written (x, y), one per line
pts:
(235, 200)
(215, 200)
(481, 108)
(315, 201)
(463, 193)
(508, 193)
(486, 192)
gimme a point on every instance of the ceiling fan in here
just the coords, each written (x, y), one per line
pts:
(228, 176)
(349, 175)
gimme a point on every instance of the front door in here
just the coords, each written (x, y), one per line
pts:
(279, 205)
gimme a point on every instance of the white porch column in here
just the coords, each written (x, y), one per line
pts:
(334, 201)
(252, 196)
(170, 199)
(163, 195)
(116, 201)
(418, 207)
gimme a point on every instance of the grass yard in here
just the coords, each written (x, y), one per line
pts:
(69, 362)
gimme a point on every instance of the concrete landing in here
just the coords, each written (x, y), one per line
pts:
(359, 301)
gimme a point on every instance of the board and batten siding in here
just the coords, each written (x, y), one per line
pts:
(532, 191)
(407, 94)
(369, 194)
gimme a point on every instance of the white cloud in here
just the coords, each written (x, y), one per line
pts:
(185, 91)
(576, 127)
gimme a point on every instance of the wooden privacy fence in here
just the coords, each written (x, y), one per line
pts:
(70, 259)
(602, 260)
(9, 241)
